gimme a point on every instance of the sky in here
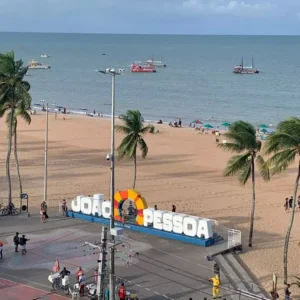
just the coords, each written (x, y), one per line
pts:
(257, 17)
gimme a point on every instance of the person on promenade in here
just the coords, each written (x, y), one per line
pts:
(216, 287)
(78, 273)
(216, 270)
(123, 216)
(96, 275)
(173, 208)
(1, 249)
(23, 242)
(287, 292)
(286, 205)
(122, 292)
(16, 241)
(64, 207)
(81, 282)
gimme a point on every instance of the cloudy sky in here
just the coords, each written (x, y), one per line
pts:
(152, 16)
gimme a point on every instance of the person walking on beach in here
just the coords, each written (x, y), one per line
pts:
(16, 241)
(179, 123)
(298, 202)
(155, 207)
(23, 242)
(55, 115)
(286, 205)
(287, 292)
(173, 208)
(291, 202)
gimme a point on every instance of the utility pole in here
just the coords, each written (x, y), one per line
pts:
(101, 262)
(46, 156)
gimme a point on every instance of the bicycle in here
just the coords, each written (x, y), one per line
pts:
(6, 210)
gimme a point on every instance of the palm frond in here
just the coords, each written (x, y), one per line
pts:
(232, 147)
(280, 141)
(122, 129)
(264, 168)
(239, 164)
(281, 160)
(143, 147)
(26, 116)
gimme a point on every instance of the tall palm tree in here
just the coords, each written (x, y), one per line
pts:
(20, 111)
(284, 146)
(242, 140)
(13, 91)
(134, 130)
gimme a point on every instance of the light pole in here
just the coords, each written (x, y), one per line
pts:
(46, 154)
(113, 73)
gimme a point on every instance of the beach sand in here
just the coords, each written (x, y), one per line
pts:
(183, 168)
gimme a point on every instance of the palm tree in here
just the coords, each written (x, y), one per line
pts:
(134, 130)
(284, 145)
(22, 112)
(242, 140)
(13, 91)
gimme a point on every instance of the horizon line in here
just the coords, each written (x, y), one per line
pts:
(175, 34)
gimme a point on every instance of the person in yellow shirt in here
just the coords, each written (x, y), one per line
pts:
(216, 286)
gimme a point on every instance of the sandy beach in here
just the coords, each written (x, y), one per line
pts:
(183, 168)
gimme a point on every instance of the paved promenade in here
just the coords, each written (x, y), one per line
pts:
(153, 268)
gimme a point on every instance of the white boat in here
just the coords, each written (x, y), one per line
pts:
(45, 55)
(155, 63)
(34, 64)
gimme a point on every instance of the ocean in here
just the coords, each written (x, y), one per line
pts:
(197, 83)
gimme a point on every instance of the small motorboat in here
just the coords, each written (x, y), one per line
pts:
(34, 64)
(137, 68)
(45, 55)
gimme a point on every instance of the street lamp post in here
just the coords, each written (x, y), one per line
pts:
(46, 154)
(113, 73)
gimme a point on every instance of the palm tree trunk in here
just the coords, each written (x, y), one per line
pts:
(288, 234)
(253, 202)
(134, 171)
(9, 154)
(16, 158)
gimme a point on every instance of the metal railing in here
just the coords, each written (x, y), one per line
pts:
(232, 236)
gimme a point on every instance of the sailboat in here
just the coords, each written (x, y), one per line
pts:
(241, 69)
(155, 63)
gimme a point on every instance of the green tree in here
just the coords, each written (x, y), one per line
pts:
(134, 129)
(14, 94)
(243, 141)
(284, 148)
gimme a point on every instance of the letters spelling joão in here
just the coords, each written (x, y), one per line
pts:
(162, 220)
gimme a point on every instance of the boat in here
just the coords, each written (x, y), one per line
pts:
(156, 63)
(34, 64)
(138, 68)
(241, 69)
(45, 55)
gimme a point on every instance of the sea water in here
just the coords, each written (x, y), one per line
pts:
(197, 83)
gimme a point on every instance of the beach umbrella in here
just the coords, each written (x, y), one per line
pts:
(263, 126)
(225, 124)
(264, 130)
(56, 266)
(196, 122)
(208, 126)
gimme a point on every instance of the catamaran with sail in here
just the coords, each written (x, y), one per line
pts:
(241, 69)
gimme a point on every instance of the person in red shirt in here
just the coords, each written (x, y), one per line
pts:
(79, 273)
(122, 292)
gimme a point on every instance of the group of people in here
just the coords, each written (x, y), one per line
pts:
(288, 203)
(43, 212)
(173, 208)
(22, 241)
(175, 123)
